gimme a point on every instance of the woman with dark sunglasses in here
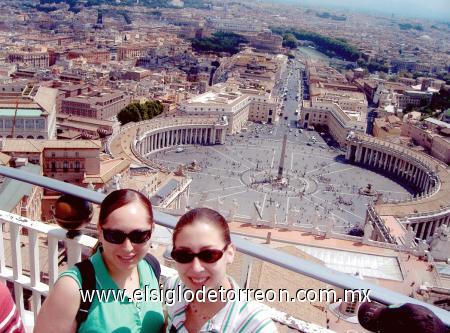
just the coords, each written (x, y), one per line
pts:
(202, 251)
(125, 226)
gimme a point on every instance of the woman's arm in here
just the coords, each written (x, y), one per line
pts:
(58, 312)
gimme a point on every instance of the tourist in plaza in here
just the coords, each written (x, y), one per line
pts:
(202, 250)
(125, 226)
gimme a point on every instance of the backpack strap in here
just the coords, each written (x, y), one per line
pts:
(154, 264)
(87, 283)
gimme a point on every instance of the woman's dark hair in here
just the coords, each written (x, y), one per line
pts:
(120, 198)
(205, 215)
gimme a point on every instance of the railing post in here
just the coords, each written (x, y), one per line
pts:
(34, 269)
(17, 266)
(52, 260)
(73, 252)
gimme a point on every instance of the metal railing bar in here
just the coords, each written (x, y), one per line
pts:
(52, 184)
(265, 253)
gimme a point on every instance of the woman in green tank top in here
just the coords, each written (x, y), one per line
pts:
(125, 226)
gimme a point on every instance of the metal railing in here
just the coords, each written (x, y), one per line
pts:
(265, 253)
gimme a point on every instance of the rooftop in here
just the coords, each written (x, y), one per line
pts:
(216, 98)
(20, 112)
(12, 191)
(27, 145)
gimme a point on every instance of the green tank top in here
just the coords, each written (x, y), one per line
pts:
(120, 316)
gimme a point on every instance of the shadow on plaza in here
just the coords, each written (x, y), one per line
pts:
(411, 188)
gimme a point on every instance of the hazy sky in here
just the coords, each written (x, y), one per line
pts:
(432, 9)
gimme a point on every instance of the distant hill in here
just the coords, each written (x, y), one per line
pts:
(74, 4)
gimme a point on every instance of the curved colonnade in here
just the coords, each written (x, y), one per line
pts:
(430, 208)
(163, 133)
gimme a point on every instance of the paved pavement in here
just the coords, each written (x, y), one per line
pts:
(320, 184)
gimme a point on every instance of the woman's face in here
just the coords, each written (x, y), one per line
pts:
(196, 237)
(125, 256)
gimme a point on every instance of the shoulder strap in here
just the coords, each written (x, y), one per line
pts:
(154, 264)
(87, 283)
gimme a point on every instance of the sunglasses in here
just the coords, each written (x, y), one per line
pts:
(208, 256)
(118, 237)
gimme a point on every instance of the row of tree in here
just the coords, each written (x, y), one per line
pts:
(138, 112)
(327, 15)
(220, 41)
(332, 47)
(408, 26)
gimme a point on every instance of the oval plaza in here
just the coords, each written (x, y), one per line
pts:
(202, 123)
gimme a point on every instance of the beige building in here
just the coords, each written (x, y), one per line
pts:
(265, 41)
(33, 118)
(237, 102)
(92, 56)
(334, 102)
(338, 122)
(132, 51)
(263, 106)
(387, 127)
(222, 100)
(83, 127)
(69, 161)
(102, 105)
(30, 56)
(259, 70)
(431, 134)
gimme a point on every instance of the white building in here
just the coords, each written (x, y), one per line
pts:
(33, 118)
(238, 105)
(222, 100)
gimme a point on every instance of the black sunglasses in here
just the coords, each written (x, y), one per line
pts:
(118, 237)
(208, 256)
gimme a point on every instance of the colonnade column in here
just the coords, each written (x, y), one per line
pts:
(366, 155)
(422, 232)
(213, 136)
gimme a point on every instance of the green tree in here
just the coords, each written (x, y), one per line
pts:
(329, 46)
(135, 112)
(290, 41)
(220, 41)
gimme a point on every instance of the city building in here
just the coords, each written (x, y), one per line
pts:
(132, 51)
(92, 56)
(222, 100)
(82, 127)
(21, 198)
(32, 116)
(265, 41)
(414, 98)
(431, 134)
(103, 105)
(30, 57)
(387, 127)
